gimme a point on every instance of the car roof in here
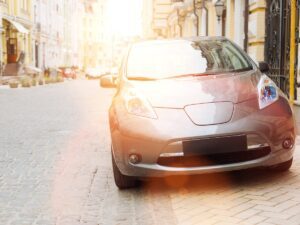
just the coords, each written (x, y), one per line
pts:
(193, 39)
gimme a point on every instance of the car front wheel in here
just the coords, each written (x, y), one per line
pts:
(122, 181)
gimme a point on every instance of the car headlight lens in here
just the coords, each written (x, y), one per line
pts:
(138, 105)
(267, 92)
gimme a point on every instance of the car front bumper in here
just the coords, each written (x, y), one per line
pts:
(152, 139)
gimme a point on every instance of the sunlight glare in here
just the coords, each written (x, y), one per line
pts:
(124, 17)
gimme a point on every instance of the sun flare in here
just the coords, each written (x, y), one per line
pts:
(123, 17)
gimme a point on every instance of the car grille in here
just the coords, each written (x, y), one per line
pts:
(214, 159)
(215, 145)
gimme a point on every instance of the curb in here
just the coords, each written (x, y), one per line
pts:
(297, 103)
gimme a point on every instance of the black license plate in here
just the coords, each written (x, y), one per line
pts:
(215, 145)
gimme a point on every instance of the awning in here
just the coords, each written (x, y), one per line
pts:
(19, 27)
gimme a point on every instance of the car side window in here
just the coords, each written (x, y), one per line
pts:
(233, 58)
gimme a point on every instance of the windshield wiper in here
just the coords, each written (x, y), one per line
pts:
(142, 78)
(192, 75)
(242, 70)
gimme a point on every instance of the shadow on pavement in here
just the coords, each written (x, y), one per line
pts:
(217, 181)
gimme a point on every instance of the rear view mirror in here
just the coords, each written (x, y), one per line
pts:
(263, 67)
(108, 81)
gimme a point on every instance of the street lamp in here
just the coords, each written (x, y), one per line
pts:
(219, 5)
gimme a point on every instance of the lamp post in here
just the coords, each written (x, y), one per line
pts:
(293, 50)
(219, 6)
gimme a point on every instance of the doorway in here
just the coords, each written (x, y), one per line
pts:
(12, 50)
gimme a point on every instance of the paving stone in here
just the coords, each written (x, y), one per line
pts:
(55, 169)
(55, 164)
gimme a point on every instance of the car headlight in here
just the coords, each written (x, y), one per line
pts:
(267, 92)
(138, 105)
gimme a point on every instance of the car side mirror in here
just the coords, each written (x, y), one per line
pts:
(263, 67)
(108, 81)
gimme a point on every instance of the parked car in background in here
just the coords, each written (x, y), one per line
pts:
(68, 72)
(113, 73)
(95, 73)
(195, 106)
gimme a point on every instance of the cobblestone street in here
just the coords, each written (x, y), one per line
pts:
(55, 169)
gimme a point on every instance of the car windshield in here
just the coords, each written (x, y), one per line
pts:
(179, 58)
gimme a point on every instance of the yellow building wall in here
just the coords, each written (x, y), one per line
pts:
(256, 33)
(230, 19)
(211, 19)
(13, 8)
(4, 9)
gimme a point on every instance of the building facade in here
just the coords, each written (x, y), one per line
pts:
(161, 12)
(260, 27)
(73, 32)
(147, 12)
(16, 21)
(57, 32)
(49, 33)
(92, 45)
(243, 21)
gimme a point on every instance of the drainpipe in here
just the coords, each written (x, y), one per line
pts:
(246, 25)
(206, 12)
(292, 51)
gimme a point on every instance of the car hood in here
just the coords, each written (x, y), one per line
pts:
(181, 92)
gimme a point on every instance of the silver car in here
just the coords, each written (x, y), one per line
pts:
(195, 106)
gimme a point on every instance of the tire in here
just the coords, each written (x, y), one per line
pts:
(282, 167)
(122, 181)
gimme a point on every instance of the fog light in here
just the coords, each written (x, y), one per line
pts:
(135, 159)
(288, 143)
